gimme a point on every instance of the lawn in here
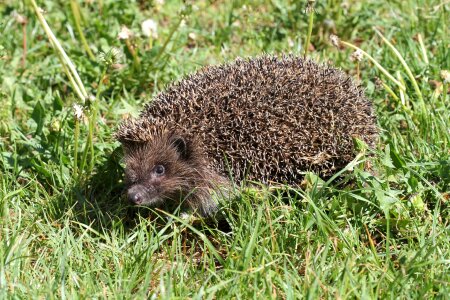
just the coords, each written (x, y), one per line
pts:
(379, 230)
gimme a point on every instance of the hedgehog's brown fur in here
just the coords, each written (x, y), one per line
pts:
(266, 119)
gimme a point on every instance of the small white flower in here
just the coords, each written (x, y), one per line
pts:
(111, 57)
(345, 5)
(329, 23)
(183, 23)
(150, 28)
(159, 2)
(125, 33)
(21, 19)
(291, 43)
(357, 55)
(445, 75)
(116, 54)
(335, 40)
(78, 111)
(192, 36)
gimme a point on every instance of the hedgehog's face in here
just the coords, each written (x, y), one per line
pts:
(157, 171)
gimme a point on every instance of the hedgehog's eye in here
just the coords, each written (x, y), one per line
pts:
(159, 170)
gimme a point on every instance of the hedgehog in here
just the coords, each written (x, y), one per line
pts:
(268, 119)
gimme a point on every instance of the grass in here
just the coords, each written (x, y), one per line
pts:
(66, 231)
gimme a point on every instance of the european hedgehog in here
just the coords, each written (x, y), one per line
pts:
(267, 119)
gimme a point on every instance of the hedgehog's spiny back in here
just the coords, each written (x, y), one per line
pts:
(272, 117)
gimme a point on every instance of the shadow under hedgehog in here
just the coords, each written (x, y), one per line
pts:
(266, 119)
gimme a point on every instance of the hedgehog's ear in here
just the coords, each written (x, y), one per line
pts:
(181, 146)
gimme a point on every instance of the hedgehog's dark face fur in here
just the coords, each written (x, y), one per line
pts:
(158, 170)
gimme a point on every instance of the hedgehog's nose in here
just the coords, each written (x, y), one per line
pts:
(135, 197)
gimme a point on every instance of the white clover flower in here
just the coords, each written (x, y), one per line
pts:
(335, 41)
(291, 43)
(445, 75)
(150, 28)
(21, 19)
(329, 23)
(345, 5)
(357, 55)
(78, 111)
(112, 57)
(192, 36)
(125, 33)
(116, 55)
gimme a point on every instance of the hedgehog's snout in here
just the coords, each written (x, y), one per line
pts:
(135, 195)
(140, 195)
